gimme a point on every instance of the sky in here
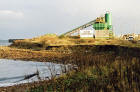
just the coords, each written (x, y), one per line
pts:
(21, 19)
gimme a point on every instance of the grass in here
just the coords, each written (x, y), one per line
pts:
(102, 68)
(103, 65)
(29, 55)
(43, 42)
(99, 73)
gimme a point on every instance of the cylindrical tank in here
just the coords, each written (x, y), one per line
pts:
(108, 18)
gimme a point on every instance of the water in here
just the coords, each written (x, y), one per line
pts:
(13, 72)
(4, 43)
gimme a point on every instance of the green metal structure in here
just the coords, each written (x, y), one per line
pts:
(103, 24)
(100, 23)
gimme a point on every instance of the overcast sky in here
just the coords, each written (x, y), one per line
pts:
(31, 18)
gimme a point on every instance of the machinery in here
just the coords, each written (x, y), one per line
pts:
(102, 25)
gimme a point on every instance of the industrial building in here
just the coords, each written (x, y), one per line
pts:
(102, 25)
(132, 36)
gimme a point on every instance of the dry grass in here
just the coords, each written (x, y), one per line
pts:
(103, 69)
(43, 42)
(50, 40)
(24, 54)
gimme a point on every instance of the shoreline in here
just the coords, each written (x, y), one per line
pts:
(99, 55)
(59, 55)
(29, 55)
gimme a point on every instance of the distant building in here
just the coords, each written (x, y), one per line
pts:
(130, 37)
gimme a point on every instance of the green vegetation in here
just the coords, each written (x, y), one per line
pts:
(104, 71)
(102, 65)
(102, 68)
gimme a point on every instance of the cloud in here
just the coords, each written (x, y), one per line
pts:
(11, 14)
(29, 18)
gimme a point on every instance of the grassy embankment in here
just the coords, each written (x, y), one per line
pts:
(53, 48)
(30, 55)
(46, 41)
(101, 68)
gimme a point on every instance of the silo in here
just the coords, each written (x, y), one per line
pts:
(104, 30)
(108, 18)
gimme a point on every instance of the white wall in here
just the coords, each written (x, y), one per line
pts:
(86, 33)
(101, 33)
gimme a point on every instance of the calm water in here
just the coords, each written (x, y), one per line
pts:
(4, 43)
(13, 72)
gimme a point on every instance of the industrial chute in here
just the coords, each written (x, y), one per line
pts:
(102, 25)
(69, 33)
